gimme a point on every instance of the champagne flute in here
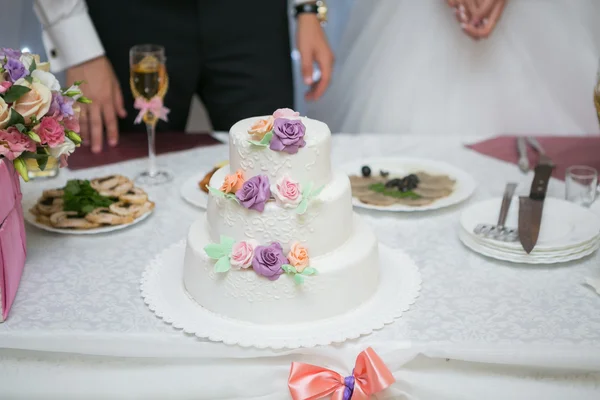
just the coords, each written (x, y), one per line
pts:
(149, 83)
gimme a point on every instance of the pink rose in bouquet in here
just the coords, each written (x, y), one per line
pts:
(51, 132)
(13, 143)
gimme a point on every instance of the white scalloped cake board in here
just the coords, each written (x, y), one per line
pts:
(163, 291)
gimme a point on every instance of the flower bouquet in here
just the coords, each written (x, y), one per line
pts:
(38, 120)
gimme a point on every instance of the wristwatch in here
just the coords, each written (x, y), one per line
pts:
(318, 7)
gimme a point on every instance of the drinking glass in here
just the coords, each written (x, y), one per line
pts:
(149, 83)
(581, 185)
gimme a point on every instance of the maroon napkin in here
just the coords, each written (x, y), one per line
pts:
(135, 145)
(564, 151)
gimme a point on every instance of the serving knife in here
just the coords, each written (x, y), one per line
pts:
(531, 208)
(533, 142)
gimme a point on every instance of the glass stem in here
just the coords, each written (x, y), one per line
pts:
(150, 128)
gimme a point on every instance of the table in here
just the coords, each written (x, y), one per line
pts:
(480, 329)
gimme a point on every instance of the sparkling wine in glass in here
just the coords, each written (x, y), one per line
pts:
(149, 83)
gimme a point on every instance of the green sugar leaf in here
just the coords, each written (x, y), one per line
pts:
(215, 191)
(231, 196)
(223, 265)
(393, 192)
(15, 92)
(309, 271)
(288, 269)
(306, 189)
(301, 209)
(215, 251)
(267, 138)
(317, 191)
(227, 243)
(298, 279)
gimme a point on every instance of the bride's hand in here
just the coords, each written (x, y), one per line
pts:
(484, 15)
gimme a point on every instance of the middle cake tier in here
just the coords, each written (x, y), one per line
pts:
(324, 226)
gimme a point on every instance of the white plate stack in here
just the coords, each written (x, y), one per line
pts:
(568, 232)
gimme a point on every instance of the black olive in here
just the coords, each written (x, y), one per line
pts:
(384, 174)
(393, 183)
(366, 171)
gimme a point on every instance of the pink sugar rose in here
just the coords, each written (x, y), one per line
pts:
(287, 192)
(13, 143)
(51, 132)
(4, 86)
(242, 254)
(285, 113)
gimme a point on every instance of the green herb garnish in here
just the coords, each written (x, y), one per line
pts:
(393, 192)
(80, 196)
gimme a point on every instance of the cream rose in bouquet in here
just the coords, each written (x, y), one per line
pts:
(38, 119)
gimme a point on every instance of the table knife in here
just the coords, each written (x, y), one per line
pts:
(531, 208)
(522, 150)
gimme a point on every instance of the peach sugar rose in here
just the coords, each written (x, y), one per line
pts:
(298, 257)
(260, 128)
(233, 182)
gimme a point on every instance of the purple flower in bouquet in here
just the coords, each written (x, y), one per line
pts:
(15, 68)
(288, 135)
(61, 106)
(10, 53)
(254, 193)
(268, 260)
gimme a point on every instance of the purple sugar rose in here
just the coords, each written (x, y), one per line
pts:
(254, 193)
(288, 135)
(268, 260)
(15, 68)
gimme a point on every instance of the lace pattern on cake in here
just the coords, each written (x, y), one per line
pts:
(283, 225)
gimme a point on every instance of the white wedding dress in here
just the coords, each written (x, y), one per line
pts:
(405, 66)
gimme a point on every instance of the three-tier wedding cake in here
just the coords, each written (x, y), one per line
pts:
(280, 243)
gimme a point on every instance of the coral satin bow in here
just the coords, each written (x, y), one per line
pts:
(370, 375)
(154, 105)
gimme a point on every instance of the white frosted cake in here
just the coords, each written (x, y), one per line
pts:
(280, 243)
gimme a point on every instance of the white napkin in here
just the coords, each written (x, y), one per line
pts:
(594, 283)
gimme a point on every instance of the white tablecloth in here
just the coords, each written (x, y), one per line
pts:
(480, 328)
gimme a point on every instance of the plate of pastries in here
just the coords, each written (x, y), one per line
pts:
(90, 206)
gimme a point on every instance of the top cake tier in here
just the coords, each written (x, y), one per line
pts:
(302, 156)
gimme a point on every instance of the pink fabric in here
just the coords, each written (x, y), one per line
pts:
(564, 151)
(13, 248)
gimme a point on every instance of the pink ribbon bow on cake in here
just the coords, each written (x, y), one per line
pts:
(154, 105)
(370, 375)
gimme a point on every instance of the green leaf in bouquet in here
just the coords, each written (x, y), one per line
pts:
(15, 92)
(21, 168)
(29, 79)
(42, 162)
(34, 136)
(33, 65)
(15, 118)
(84, 100)
(78, 83)
(20, 127)
(223, 265)
(264, 142)
(298, 279)
(75, 138)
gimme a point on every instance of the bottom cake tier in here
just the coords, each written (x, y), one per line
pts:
(345, 278)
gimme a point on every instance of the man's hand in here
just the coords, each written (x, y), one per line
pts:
(103, 89)
(313, 47)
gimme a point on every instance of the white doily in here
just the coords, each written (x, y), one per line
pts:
(163, 291)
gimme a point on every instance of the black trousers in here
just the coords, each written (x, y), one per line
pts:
(235, 54)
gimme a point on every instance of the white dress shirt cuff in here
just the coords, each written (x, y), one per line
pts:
(71, 41)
